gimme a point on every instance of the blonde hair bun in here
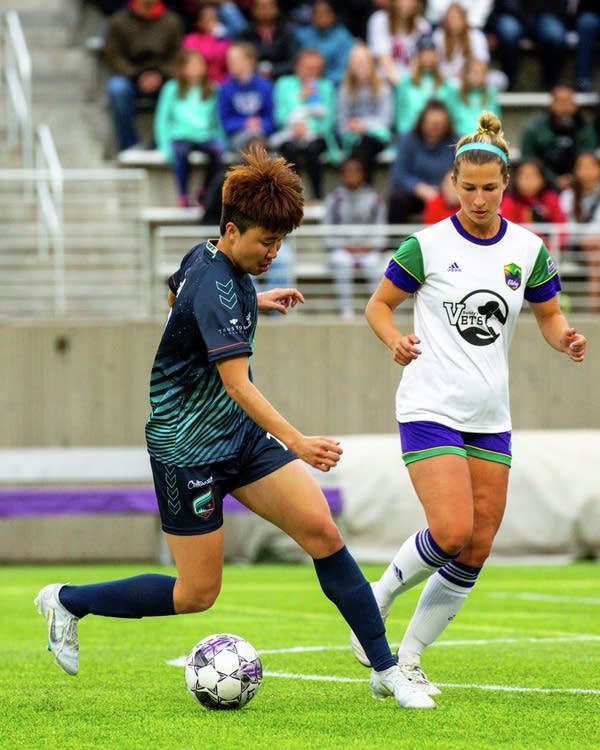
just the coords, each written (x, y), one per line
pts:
(489, 124)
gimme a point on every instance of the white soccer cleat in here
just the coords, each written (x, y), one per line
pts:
(419, 679)
(355, 644)
(391, 682)
(62, 628)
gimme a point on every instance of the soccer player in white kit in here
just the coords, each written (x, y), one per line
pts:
(469, 275)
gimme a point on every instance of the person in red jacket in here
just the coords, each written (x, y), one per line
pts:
(444, 204)
(533, 200)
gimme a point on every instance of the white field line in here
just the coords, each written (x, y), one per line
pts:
(551, 598)
(503, 688)
(180, 662)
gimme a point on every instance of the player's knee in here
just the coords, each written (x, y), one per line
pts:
(323, 540)
(453, 540)
(189, 600)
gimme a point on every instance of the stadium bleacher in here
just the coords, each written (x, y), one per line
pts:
(57, 39)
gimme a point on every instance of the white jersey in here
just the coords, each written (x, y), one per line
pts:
(468, 295)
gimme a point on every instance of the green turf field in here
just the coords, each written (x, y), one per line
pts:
(518, 668)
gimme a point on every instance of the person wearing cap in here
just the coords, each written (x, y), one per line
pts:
(423, 83)
(469, 275)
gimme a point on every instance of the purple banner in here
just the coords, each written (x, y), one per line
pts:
(57, 501)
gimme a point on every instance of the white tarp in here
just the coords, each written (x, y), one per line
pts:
(553, 505)
(553, 500)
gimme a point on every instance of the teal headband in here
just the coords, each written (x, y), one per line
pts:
(482, 147)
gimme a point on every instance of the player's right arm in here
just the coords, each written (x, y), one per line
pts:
(320, 452)
(379, 314)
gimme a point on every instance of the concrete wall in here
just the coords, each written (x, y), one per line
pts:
(107, 537)
(85, 383)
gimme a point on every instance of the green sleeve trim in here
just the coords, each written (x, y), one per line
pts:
(543, 269)
(409, 257)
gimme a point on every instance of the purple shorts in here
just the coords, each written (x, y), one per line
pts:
(421, 440)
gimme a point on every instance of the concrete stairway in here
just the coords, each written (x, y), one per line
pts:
(60, 76)
(102, 240)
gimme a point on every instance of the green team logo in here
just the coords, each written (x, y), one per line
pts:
(512, 276)
(204, 505)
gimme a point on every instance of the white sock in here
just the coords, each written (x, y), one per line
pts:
(438, 605)
(415, 561)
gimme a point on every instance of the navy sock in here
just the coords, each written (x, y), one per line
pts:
(148, 595)
(343, 582)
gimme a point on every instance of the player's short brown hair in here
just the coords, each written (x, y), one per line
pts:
(263, 191)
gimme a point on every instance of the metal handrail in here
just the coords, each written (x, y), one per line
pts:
(50, 199)
(17, 80)
(59, 244)
(310, 258)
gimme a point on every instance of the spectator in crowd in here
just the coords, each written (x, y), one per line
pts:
(297, 12)
(423, 157)
(355, 14)
(478, 11)
(273, 38)
(364, 109)
(245, 99)
(581, 205)
(456, 43)
(415, 89)
(232, 15)
(392, 36)
(330, 37)
(304, 105)
(187, 120)
(108, 7)
(542, 21)
(558, 135)
(209, 39)
(587, 26)
(530, 199)
(142, 42)
(444, 204)
(474, 95)
(356, 202)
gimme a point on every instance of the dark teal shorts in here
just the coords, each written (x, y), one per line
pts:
(190, 498)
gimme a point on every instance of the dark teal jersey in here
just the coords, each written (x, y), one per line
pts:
(192, 419)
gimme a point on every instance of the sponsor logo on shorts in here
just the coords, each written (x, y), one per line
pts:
(194, 484)
(204, 505)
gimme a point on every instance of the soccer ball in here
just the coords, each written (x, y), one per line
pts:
(223, 671)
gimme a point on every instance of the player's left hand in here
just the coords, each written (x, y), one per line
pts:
(573, 344)
(279, 300)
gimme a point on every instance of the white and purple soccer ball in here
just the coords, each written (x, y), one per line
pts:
(223, 671)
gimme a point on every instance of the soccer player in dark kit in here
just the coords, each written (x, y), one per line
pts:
(211, 432)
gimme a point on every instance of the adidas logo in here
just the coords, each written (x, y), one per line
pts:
(454, 267)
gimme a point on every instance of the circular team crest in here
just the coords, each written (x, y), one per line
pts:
(478, 317)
